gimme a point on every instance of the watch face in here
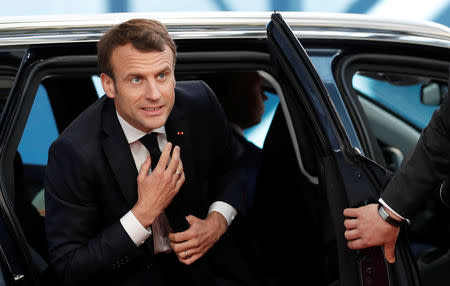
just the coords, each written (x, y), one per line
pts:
(382, 212)
(387, 218)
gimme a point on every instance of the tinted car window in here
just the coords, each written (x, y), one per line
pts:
(400, 94)
(257, 134)
(40, 131)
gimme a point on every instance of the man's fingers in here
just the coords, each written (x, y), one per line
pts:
(183, 246)
(180, 236)
(184, 235)
(188, 258)
(179, 182)
(389, 252)
(351, 212)
(191, 219)
(351, 223)
(165, 156)
(174, 160)
(356, 244)
(143, 172)
(179, 170)
(352, 234)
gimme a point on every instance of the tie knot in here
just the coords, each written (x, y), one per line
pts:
(150, 140)
(151, 143)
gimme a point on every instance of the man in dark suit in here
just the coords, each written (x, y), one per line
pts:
(241, 95)
(114, 216)
(418, 176)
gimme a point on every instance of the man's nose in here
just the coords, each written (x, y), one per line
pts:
(152, 91)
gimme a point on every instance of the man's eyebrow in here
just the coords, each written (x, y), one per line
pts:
(134, 74)
(165, 70)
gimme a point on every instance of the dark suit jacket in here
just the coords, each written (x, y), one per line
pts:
(426, 168)
(250, 162)
(91, 183)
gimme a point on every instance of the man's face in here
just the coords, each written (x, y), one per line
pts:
(247, 99)
(143, 88)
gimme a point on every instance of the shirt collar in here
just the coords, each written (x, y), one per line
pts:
(132, 133)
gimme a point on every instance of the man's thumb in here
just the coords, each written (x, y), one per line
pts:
(190, 219)
(389, 252)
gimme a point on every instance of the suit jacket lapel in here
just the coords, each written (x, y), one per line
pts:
(178, 133)
(118, 153)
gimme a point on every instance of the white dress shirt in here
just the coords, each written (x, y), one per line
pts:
(130, 223)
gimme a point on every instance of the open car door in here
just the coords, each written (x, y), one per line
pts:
(348, 178)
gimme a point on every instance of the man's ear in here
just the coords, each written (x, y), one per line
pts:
(108, 85)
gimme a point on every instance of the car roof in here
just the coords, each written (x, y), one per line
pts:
(46, 29)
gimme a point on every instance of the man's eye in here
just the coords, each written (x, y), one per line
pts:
(162, 76)
(136, 80)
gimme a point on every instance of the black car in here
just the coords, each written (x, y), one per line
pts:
(333, 131)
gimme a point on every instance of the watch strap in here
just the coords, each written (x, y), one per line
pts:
(387, 218)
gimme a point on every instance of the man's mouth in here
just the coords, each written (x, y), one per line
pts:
(152, 108)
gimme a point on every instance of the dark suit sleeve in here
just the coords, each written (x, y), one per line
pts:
(425, 169)
(79, 247)
(228, 182)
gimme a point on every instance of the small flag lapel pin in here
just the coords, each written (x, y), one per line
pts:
(180, 133)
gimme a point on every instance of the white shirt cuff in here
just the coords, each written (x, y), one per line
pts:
(134, 228)
(385, 205)
(224, 209)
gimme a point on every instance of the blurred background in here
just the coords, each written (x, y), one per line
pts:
(429, 10)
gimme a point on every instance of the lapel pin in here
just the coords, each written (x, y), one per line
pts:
(180, 133)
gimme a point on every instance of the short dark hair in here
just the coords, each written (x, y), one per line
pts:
(144, 34)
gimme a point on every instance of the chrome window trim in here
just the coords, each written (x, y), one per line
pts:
(313, 179)
(16, 31)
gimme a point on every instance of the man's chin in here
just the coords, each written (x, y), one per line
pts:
(155, 125)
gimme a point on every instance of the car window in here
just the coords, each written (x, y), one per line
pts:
(40, 131)
(400, 94)
(257, 134)
(398, 106)
(98, 85)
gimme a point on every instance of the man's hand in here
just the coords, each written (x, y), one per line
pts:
(365, 228)
(157, 190)
(193, 243)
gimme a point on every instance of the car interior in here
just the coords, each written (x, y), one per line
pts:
(290, 211)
